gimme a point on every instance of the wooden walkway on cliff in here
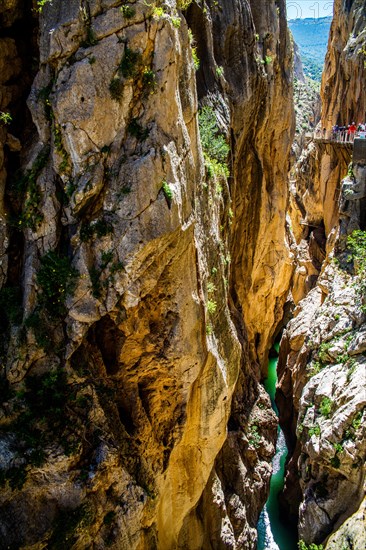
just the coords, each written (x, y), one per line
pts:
(355, 151)
(343, 149)
(351, 150)
(337, 144)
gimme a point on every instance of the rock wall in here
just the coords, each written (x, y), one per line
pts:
(321, 393)
(314, 192)
(343, 95)
(256, 71)
(262, 265)
(323, 365)
(307, 111)
(313, 210)
(14, 83)
(298, 66)
(130, 342)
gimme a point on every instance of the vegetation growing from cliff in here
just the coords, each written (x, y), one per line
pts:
(167, 190)
(43, 409)
(213, 143)
(325, 407)
(127, 11)
(357, 245)
(312, 546)
(99, 228)
(25, 184)
(11, 304)
(116, 89)
(184, 4)
(41, 4)
(68, 525)
(98, 275)
(132, 67)
(211, 306)
(215, 148)
(129, 65)
(56, 279)
(351, 431)
(5, 118)
(362, 52)
(192, 42)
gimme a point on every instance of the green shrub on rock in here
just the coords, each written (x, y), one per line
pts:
(56, 279)
(357, 244)
(303, 546)
(326, 407)
(213, 142)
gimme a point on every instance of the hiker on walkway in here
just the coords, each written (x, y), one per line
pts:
(351, 131)
(343, 131)
(361, 130)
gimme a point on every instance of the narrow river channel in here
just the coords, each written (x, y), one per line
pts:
(273, 534)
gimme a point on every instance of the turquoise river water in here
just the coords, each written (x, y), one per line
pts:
(273, 534)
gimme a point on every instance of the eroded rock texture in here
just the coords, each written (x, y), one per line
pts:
(343, 94)
(314, 192)
(261, 262)
(322, 363)
(313, 211)
(132, 342)
(261, 268)
(322, 367)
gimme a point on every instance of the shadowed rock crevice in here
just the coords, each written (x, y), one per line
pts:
(106, 336)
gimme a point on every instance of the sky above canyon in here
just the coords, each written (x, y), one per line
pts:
(309, 8)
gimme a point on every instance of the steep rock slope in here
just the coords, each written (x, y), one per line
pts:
(261, 259)
(322, 361)
(120, 355)
(16, 48)
(261, 267)
(314, 193)
(322, 353)
(313, 211)
(343, 94)
(307, 111)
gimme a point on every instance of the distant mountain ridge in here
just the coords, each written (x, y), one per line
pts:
(311, 35)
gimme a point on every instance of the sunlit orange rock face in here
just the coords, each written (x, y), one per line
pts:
(145, 289)
(343, 90)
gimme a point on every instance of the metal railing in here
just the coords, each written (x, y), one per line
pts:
(341, 136)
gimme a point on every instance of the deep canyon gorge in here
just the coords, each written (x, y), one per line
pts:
(159, 232)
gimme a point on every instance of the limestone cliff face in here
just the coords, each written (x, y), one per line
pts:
(307, 111)
(129, 338)
(322, 355)
(255, 92)
(298, 66)
(322, 361)
(314, 195)
(262, 265)
(343, 94)
(255, 54)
